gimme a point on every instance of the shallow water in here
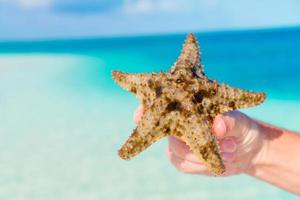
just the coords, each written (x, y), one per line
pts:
(63, 119)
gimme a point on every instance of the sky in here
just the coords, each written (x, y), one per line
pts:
(40, 19)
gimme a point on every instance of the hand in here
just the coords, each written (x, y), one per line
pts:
(240, 139)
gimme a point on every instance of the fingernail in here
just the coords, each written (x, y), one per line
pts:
(228, 144)
(227, 156)
(221, 124)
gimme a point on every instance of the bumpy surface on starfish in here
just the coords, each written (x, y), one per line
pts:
(182, 102)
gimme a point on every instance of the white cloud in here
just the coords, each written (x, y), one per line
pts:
(167, 6)
(29, 4)
(143, 6)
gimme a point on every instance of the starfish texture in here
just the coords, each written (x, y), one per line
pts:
(182, 102)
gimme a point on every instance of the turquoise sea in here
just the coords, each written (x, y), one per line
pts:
(62, 118)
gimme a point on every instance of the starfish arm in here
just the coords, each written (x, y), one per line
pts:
(233, 98)
(150, 129)
(147, 87)
(198, 136)
(189, 57)
(140, 84)
(130, 82)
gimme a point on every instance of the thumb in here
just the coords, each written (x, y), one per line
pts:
(233, 123)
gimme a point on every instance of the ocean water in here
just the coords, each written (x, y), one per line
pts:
(62, 118)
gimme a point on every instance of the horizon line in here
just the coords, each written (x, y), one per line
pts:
(117, 36)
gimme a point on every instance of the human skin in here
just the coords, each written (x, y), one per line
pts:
(247, 146)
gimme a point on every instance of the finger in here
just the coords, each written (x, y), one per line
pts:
(186, 166)
(138, 114)
(219, 126)
(181, 150)
(232, 123)
(194, 168)
(228, 144)
(174, 160)
(236, 123)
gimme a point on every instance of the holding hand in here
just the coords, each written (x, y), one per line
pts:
(240, 141)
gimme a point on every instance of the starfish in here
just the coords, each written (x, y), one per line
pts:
(182, 102)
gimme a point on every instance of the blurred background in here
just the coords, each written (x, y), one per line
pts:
(62, 118)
